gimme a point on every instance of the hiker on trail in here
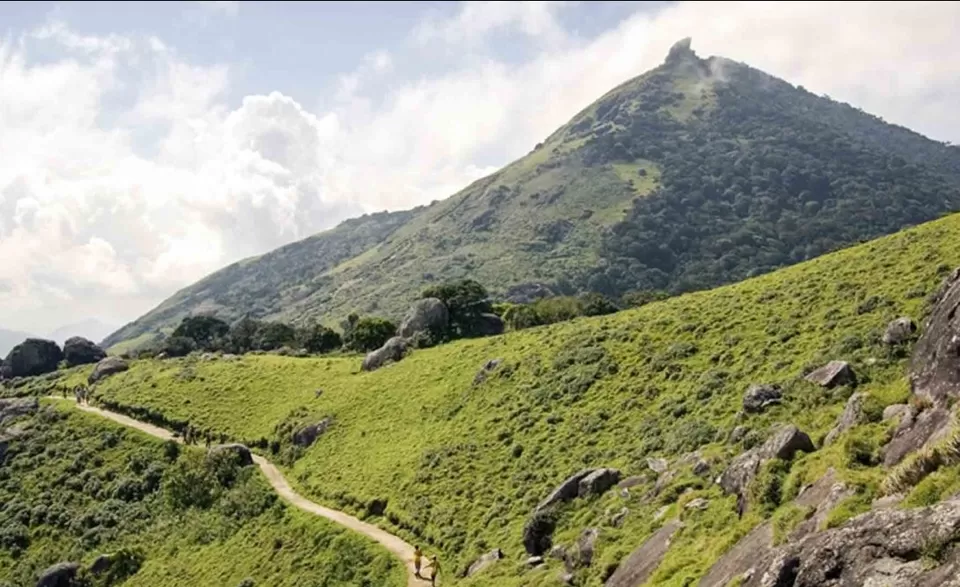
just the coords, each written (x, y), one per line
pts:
(63, 390)
(207, 438)
(434, 566)
(417, 557)
(76, 393)
(186, 434)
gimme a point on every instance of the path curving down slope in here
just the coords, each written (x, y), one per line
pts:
(394, 544)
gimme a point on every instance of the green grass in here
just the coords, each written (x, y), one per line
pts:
(462, 466)
(76, 486)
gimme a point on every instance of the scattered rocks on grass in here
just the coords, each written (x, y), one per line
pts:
(598, 482)
(306, 436)
(657, 465)
(534, 561)
(106, 368)
(393, 350)
(59, 575)
(586, 544)
(483, 562)
(642, 562)
(899, 331)
(783, 444)
(488, 368)
(851, 416)
(12, 408)
(759, 397)
(833, 374)
(699, 503)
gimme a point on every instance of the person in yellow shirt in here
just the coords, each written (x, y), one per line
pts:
(434, 567)
(417, 557)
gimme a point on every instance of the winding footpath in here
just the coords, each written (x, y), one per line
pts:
(394, 544)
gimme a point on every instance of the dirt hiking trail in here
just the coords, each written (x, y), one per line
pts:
(394, 544)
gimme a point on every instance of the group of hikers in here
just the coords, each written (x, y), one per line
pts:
(433, 565)
(193, 435)
(80, 392)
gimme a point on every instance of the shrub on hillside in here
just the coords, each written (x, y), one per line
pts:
(206, 332)
(319, 339)
(368, 333)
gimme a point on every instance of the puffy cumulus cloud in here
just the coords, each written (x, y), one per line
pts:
(97, 217)
(145, 179)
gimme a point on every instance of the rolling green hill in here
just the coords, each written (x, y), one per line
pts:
(458, 462)
(697, 173)
(73, 487)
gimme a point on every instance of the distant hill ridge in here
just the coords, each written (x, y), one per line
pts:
(697, 173)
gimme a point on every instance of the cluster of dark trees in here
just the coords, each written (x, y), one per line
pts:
(471, 313)
(208, 333)
(761, 176)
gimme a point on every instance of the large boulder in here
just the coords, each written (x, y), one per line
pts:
(12, 408)
(393, 350)
(598, 482)
(307, 435)
(80, 351)
(34, 356)
(935, 364)
(833, 374)
(538, 532)
(586, 545)
(489, 325)
(785, 442)
(782, 444)
(881, 547)
(899, 331)
(759, 397)
(59, 575)
(642, 562)
(241, 452)
(566, 491)
(483, 562)
(428, 315)
(851, 416)
(106, 368)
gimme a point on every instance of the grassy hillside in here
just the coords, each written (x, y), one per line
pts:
(697, 173)
(462, 465)
(75, 486)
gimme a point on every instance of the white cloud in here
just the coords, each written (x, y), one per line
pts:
(107, 209)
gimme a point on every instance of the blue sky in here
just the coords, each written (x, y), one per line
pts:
(146, 145)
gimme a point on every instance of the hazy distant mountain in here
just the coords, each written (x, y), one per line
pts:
(90, 328)
(10, 339)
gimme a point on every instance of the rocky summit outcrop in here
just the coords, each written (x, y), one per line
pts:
(878, 548)
(642, 562)
(393, 350)
(428, 315)
(80, 351)
(759, 397)
(833, 374)
(239, 451)
(106, 368)
(782, 444)
(34, 356)
(60, 575)
(308, 434)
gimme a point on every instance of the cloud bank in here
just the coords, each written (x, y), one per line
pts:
(127, 173)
